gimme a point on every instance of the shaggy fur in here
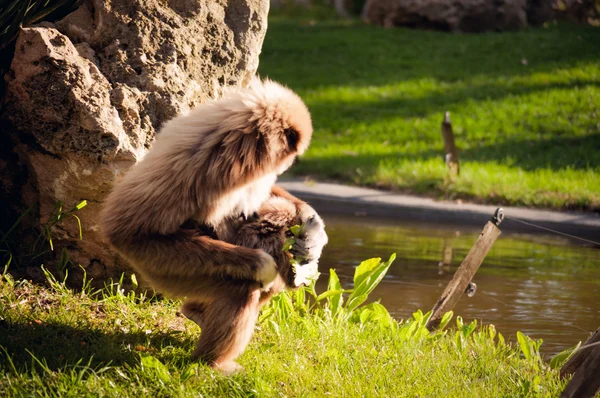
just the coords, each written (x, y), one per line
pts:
(180, 216)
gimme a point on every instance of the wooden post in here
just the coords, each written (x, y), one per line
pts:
(450, 147)
(447, 255)
(462, 278)
(585, 365)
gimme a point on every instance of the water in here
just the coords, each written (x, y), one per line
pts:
(544, 286)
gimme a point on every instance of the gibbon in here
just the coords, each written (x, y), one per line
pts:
(200, 217)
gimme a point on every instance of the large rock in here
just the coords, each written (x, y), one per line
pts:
(85, 97)
(451, 15)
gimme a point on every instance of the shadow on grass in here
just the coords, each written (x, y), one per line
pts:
(556, 153)
(348, 113)
(59, 345)
(330, 53)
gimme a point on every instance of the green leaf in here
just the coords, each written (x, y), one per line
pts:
(354, 301)
(467, 330)
(526, 345)
(81, 205)
(364, 270)
(295, 230)
(491, 331)
(134, 281)
(301, 298)
(161, 371)
(501, 341)
(328, 294)
(289, 242)
(335, 300)
(418, 316)
(559, 359)
(192, 370)
(445, 320)
(368, 275)
(79, 226)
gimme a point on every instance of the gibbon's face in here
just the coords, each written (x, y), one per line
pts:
(293, 144)
(291, 139)
(284, 121)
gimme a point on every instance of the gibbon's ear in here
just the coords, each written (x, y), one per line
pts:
(292, 138)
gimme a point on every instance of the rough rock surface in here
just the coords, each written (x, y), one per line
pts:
(86, 95)
(452, 15)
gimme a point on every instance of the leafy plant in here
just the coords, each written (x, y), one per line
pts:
(530, 347)
(15, 13)
(332, 303)
(39, 248)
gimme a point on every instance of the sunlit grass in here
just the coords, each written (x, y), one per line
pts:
(59, 342)
(525, 108)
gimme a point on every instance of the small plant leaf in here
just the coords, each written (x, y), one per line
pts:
(559, 359)
(295, 230)
(134, 281)
(329, 293)
(467, 330)
(78, 226)
(445, 320)
(526, 345)
(191, 371)
(364, 269)
(289, 242)
(368, 275)
(335, 300)
(161, 371)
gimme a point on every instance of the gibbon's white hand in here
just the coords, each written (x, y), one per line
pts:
(312, 237)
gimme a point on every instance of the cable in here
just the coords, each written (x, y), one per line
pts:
(552, 230)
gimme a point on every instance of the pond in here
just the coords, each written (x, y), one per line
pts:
(544, 286)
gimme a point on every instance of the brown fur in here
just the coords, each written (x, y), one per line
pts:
(205, 170)
(270, 232)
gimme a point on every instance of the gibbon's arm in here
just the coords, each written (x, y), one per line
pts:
(278, 191)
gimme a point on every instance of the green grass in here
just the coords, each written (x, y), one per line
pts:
(525, 108)
(59, 342)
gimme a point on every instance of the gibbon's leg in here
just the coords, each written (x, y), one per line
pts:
(228, 322)
(227, 325)
(194, 311)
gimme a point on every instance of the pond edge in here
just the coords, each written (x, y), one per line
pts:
(331, 198)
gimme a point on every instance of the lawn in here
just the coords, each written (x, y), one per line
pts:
(525, 108)
(58, 342)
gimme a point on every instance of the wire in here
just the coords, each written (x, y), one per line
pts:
(552, 230)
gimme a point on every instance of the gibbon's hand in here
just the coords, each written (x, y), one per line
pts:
(309, 244)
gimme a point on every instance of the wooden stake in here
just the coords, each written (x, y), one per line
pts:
(450, 147)
(462, 278)
(585, 365)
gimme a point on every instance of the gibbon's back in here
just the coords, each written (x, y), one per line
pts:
(201, 156)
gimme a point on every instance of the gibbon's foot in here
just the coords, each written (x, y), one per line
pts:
(309, 244)
(267, 271)
(228, 368)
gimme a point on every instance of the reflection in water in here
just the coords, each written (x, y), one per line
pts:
(541, 285)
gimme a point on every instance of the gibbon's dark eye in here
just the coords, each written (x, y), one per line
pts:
(292, 138)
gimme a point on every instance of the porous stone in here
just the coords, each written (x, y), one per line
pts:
(86, 95)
